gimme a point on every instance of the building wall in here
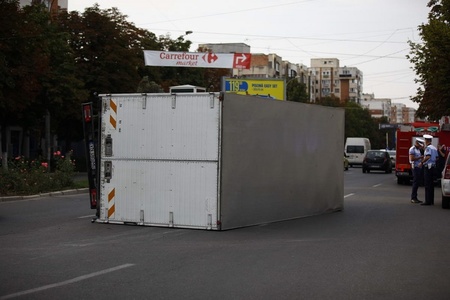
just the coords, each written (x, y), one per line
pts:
(55, 5)
(354, 79)
(329, 79)
(323, 73)
(378, 108)
(345, 89)
(226, 47)
(262, 66)
(259, 67)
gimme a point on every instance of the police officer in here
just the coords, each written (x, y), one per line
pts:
(415, 157)
(429, 164)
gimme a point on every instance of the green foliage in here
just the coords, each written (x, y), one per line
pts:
(27, 177)
(39, 72)
(296, 91)
(330, 101)
(431, 60)
(145, 86)
(359, 122)
(107, 49)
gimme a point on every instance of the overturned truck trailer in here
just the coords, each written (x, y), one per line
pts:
(195, 160)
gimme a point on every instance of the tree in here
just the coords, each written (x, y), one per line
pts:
(107, 49)
(359, 123)
(329, 101)
(23, 64)
(431, 61)
(145, 86)
(36, 67)
(296, 91)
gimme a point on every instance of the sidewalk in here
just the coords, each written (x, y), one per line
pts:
(77, 177)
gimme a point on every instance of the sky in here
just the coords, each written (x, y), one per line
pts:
(371, 35)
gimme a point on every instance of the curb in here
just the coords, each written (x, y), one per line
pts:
(51, 194)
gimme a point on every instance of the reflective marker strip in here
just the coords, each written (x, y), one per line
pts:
(112, 121)
(111, 205)
(113, 105)
(112, 116)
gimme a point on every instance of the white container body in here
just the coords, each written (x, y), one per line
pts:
(161, 164)
(192, 161)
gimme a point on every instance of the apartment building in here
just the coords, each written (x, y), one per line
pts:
(351, 84)
(262, 66)
(225, 48)
(327, 79)
(324, 73)
(54, 5)
(292, 71)
(378, 107)
(403, 113)
(396, 113)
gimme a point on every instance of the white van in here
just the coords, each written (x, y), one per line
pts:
(355, 149)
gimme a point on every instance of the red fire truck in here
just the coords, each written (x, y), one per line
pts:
(406, 136)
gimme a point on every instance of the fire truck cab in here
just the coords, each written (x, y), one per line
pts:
(406, 136)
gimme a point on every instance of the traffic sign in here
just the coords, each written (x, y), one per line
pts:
(388, 126)
(242, 61)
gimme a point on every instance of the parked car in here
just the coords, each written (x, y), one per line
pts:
(392, 154)
(445, 184)
(377, 160)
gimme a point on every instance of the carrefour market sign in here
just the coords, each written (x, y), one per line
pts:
(197, 59)
(266, 88)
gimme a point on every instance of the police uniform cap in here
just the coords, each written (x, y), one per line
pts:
(420, 141)
(427, 137)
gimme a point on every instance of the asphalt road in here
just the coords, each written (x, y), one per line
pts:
(379, 247)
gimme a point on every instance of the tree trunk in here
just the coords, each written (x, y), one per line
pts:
(4, 148)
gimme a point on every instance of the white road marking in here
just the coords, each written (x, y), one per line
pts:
(349, 195)
(84, 217)
(76, 279)
(376, 185)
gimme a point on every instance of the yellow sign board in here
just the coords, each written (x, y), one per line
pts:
(266, 88)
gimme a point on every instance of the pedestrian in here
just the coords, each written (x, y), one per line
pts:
(429, 164)
(415, 157)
